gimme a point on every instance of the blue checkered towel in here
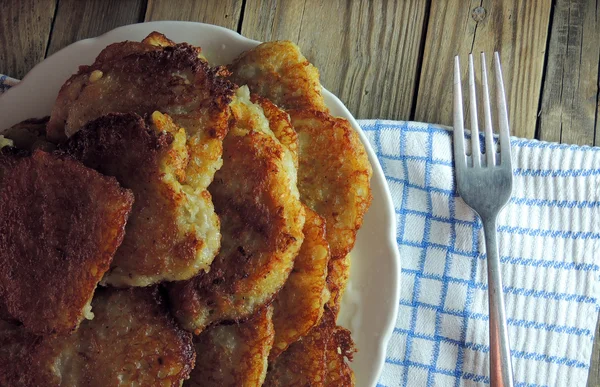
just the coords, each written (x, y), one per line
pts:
(548, 236)
(548, 241)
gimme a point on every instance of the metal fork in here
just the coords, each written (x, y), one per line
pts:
(484, 181)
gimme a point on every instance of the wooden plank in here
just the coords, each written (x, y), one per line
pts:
(76, 20)
(24, 33)
(517, 29)
(366, 51)
(570, 89)
(224, 13)
(272, 20)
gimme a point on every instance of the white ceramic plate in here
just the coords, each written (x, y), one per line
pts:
(369, 306)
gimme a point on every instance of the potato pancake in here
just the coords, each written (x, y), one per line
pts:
(234, 355)
(334, 172)
(256, 198)
(165, 239)
(133, 340)
(334, 175)
(318, 359)
(299, 304)
(141, 78)
(278, 71)
(61, 225)
(303, 363)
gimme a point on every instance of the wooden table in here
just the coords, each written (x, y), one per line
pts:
(384, 59)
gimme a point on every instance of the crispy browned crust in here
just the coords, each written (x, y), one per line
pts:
(155, 38)
(149, 76)
(334, 175)
(303, 363)
(318, 359)
(279, 122)
(19, 350)
(261, 223)
(132, 340)
(155, 248)
(78, 98)
(338, 273)
(142, 78)
(136, 77)
(299, 304)
(334, 171)
(234, 355)
(278, 71)
(61, 224)
(340, 351)
(30, 135)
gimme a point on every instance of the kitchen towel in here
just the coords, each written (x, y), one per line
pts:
(548, 239)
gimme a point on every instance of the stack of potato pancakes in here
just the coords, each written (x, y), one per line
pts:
(175, 223)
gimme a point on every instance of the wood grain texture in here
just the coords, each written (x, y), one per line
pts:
(517, 29)
(366, 51)
(224, 13)
(570, 89)
(24, 30)
(273, 20)
(76, 19)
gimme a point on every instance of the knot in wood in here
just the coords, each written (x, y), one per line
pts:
(478, 14)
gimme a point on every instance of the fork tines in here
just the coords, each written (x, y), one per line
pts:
(492, 157)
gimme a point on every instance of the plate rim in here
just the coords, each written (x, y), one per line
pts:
(390, 222)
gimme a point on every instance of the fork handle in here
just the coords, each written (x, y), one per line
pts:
(500, 362)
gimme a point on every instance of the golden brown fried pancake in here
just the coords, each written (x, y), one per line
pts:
(136, 77)
(61, 225)
(302, 364)
(256, 198)
(132, 340)
(141, 78)
(165, 240)
(318, 359)
(338, 273)
(334, 171)
(299, 304)
(30, 135)
(234, 355)
(278, 71)
(334, 174)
